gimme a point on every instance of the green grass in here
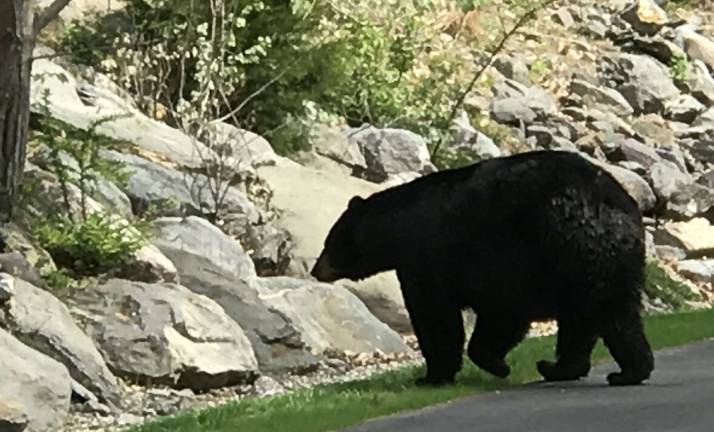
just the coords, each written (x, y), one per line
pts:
(333, 406)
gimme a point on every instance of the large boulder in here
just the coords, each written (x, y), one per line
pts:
(45, 323)
(36, 382)
(598, 97)
(695, 237)
(244, 147)
(642, 80)
(12, 416)
(330, 318)
(389, 152)
(515, 103)
(310, 202)
(645, 16)
(278, 345)
(167, 334)
(168, 192)
(635, 185)
(196, 238)
(98, 103)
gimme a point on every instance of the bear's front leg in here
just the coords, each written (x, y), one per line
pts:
(439, 328)
(493, 337)
(576, 340)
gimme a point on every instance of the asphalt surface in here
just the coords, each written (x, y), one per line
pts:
(679, 397)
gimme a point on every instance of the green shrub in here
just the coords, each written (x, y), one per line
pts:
(672, 293)
(92, 246)
(81, 242)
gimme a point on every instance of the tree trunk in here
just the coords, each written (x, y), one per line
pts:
(17, 40)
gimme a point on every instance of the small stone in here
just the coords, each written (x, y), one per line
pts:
(126, 419)
(684, 108)
(7, 287)
(563, 17)
(645, 16)
(697, 270)
(12, 416)
(267, 386)
(670, 253)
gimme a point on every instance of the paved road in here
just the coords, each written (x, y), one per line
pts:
(678, 398)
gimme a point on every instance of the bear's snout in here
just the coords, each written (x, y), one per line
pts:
(322, 271)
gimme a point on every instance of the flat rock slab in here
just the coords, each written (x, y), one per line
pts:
(678, 398)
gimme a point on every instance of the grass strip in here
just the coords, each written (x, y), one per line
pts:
(333, 406)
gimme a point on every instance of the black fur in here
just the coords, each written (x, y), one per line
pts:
(538, 235)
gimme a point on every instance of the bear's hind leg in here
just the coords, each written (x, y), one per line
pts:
(625, 338)
(439, 328)
(493, 337)
(576, 340)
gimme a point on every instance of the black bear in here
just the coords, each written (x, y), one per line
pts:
(537, 235)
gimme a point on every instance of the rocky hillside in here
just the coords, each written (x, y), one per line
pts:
(218, 305)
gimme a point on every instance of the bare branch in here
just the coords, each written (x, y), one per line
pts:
(43, 18)
(494, 52)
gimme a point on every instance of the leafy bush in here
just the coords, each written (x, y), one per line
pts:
(388, 63)
(81, 242)
(97, 244)
(659, 285)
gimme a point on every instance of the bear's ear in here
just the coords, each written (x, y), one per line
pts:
(355, 202)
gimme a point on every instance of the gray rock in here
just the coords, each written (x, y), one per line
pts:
(148, 264)
(684, 109)
(174, 193)
(513, 67)
(667, 179)
(689, 201)
(243, 147)
(695, 237)
(635, 151)
(707, 179)
(670, 253)
(635, 185)
(7, 287)
(41, 385)
(329, 317)
(705, 119)
(28, 317)
(700, 83)
(269, 248)
(642, 80)
(599, 97)
(465, 136)
(102, 190)
(13, 238)
(645, 16)
(267, 386)
(100, 102)
(697, 270)
(89, 402)
(512, 110)
(336, 145)
(650, 248)
(655, 128)
(516, 103)
(391, 151)
(697, 46)
(194, 237)
(17, 265)
(164, 333)
(278, 345)
(563, 17)
(674, 154)
(12, 416)
(703, 150)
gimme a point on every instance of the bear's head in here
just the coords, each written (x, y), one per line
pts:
(343, 255)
